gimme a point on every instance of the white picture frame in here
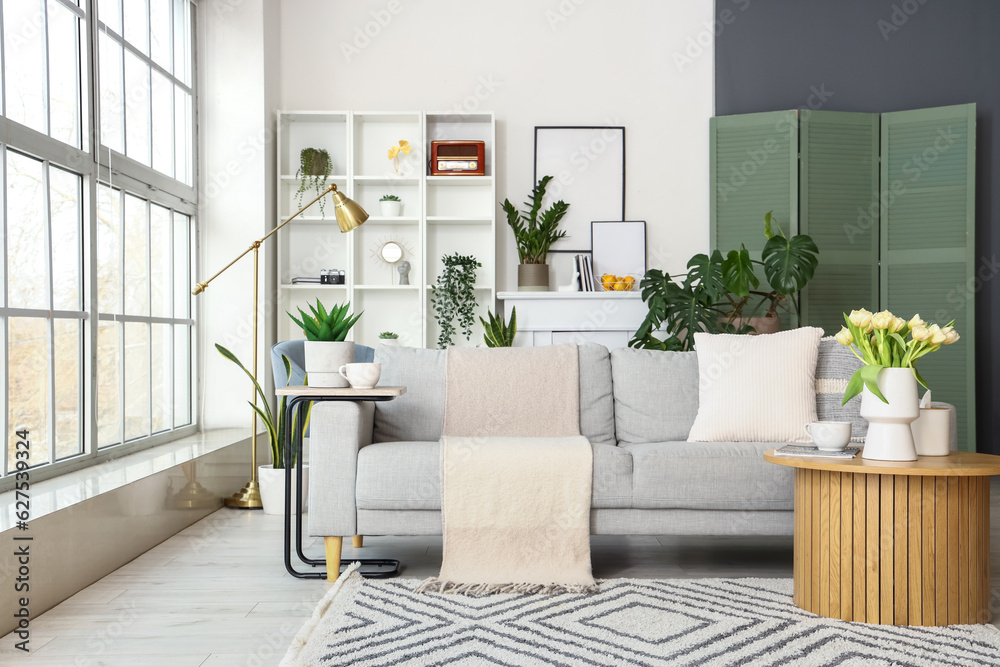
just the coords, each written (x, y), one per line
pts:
(587, 165)
(619, 248)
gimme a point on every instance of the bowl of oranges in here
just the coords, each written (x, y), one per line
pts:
(613, 283)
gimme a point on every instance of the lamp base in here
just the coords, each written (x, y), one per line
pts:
(194, 496)
(248, 498)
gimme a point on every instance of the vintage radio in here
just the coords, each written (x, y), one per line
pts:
(452, 158)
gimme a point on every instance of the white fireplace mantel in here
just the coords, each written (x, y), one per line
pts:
(550, 318)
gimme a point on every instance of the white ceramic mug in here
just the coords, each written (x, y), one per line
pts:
(829, 436)
(361, 375)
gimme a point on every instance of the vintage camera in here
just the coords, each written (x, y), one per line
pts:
(332, 277)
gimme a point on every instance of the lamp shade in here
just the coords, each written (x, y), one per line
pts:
(349, 215)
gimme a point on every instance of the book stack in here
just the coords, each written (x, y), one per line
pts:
(812, 450)
(305, 280)
(585, 267)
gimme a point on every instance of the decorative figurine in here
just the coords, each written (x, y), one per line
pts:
(404, 272)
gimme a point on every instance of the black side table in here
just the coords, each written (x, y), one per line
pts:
(372, 568)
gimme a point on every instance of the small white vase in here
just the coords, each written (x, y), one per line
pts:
(390, 209)
(323, 362)
(272, 488)
(889, 436)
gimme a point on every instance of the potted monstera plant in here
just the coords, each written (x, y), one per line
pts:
(326, 346)
(534, 232)
(719, 293)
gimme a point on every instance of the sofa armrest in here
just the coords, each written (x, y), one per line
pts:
(338, 431)
(953, 423)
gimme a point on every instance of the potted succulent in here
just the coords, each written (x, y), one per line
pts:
(388, 338)
(534, 234)
(499, 333)
(314, 170)
(454, 297)
(390, 205)
(326, 348)
(714, 294)
(888, 380)
(272, 477)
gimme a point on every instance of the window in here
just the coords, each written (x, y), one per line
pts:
(98, 221)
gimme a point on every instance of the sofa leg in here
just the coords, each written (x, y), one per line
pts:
(333, 546)
(359, 541)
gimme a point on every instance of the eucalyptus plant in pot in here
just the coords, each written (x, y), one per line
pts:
(534, 234)
(272, 477)
(888, 380)
(326, 346)
(314, 170)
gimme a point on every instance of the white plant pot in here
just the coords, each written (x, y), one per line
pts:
(272, 488)
(889, 436)
(324, 359)
(391, 342)
(390, 209)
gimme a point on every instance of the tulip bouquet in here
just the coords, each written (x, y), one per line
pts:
(879, 341)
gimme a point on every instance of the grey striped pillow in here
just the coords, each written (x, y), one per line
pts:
(834, 367)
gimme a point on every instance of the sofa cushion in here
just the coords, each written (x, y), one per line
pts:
(418, 415)
(709, 475)
(834, 367)
(756, 388)
(407, 476)
(656, 394)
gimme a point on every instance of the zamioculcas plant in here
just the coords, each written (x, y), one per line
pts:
(274, 431)
(326, 326)
(499, 334)
(532, 234)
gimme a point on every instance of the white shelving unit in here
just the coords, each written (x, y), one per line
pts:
(441, 215)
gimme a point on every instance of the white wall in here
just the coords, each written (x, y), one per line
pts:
(235, 132)
(554, 62)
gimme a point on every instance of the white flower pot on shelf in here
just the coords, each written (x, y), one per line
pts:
(889, 436)
(323, 362)
(390, 209)
(272, 488)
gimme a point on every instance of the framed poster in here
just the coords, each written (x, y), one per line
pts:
(619, 248)
(587, 165)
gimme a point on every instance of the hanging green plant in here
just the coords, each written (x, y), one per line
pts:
(454, 297)
(314, 170)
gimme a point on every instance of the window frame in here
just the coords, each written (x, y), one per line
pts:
(97, 164)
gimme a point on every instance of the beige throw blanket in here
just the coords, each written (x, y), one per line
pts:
(515, 474)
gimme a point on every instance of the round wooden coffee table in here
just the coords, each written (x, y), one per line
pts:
(898, 543)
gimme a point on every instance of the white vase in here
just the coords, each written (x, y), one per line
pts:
(272, 488)
(390, 209)
(889, 436)
(323, 362)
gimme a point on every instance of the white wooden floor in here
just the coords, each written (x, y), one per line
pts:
(217, 593)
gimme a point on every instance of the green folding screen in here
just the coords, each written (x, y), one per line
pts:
(889, 201)
(754, 169)
(928, 240)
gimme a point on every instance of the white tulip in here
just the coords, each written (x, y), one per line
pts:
(860, 318)
(883, 320)
(844, 337)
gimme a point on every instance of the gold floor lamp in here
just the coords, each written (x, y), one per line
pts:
(350, 216)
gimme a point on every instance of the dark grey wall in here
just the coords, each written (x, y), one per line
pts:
(877, 56)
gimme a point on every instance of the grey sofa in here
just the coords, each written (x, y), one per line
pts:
(375, 468)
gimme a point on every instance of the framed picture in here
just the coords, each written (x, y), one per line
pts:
(587, 165)
(619, 248)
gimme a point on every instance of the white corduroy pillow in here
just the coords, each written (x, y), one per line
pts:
(756, 388)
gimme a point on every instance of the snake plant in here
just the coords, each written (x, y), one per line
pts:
(498, 333)
(532, 234)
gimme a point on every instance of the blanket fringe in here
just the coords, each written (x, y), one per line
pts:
(435, 585)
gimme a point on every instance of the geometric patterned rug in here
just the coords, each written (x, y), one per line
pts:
(630, 622)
